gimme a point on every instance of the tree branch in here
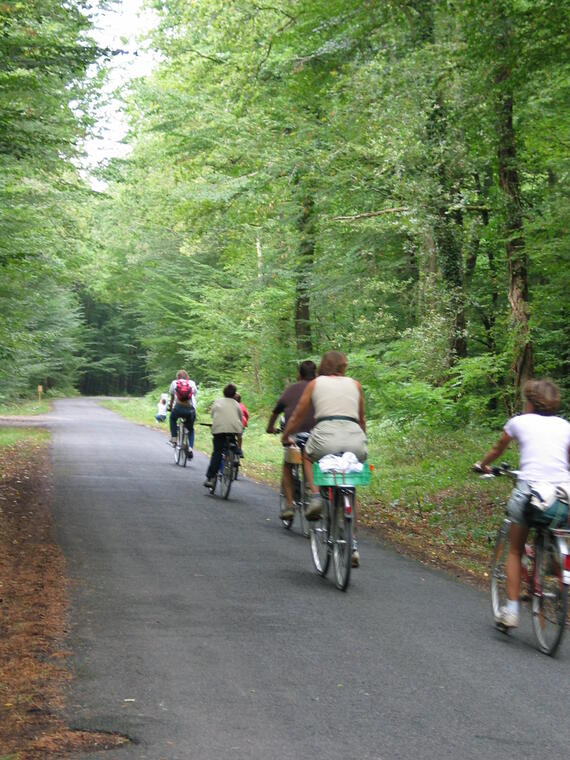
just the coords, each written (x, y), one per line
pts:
(368, 214)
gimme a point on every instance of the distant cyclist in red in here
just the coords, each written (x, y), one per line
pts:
(244, 412)
(244, 419)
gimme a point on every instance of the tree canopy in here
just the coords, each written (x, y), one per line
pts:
(387, 179)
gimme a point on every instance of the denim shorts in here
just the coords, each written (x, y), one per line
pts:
(522, 512)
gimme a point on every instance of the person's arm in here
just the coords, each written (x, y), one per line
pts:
(494, 452)
(300, 412)
(361, 419)
(279, 407)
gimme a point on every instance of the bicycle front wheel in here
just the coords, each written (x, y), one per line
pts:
(499, 570)
(228, 464)
(343, 511)
(319, 533)
(179, 447)
(550, 597)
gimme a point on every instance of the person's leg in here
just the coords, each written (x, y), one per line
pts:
(190, 416)
(287, 480)
(173, 419)
(315, 505)
(308, 470)
(216, 458)
(517, 538)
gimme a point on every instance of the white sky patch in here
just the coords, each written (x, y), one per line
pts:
(119, 28)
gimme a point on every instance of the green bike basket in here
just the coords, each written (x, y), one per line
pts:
(339, 478)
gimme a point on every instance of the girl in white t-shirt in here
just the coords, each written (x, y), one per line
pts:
(544, 447)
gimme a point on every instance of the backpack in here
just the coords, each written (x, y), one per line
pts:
(184, 390)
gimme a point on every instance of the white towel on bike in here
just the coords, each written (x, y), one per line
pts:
(543, 494)
(346, 462)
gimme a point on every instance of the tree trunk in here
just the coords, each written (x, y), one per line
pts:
(304, 269)
(517, 259)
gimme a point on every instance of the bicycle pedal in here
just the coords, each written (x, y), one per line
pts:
(502, 628)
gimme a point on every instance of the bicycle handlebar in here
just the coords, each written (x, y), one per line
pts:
(496, 471)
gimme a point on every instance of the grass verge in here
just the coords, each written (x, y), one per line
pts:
(423, 496)
(25, 408)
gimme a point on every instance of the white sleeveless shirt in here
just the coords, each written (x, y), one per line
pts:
(336, 396)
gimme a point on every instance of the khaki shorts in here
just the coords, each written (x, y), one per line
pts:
(335, 436)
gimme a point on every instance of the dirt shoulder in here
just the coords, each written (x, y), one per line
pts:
(35, 667)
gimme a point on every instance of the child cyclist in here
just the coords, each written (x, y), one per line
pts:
(544, 448)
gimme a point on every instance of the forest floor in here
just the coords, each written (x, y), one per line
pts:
(34, 671)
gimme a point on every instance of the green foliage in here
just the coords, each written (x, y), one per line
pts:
(305, 175)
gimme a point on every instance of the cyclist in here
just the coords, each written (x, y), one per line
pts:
(544, 450)
(286, 405)
(226, 420)
(182, 393)
(340, 425)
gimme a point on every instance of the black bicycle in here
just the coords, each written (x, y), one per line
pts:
(229, 467)
(545, 577)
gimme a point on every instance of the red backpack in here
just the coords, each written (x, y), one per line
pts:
(184, 390)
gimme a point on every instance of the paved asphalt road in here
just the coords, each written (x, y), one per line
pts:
(201, 631)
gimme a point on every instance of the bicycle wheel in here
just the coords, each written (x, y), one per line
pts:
(498, 570)
(180, 446)
(285, 522)
(320, 544)
(550, 598)
(343, 510)
(227, 473)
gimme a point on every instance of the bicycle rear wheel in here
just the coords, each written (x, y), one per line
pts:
(343, 510)
(319, 533)
(550, 598)
(227, 473)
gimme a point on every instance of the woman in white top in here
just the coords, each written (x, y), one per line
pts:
(339, 427)
(544, 447)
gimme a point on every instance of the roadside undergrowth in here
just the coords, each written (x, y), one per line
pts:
(34, 663)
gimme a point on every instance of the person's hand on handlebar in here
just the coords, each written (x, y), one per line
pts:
(482, 468)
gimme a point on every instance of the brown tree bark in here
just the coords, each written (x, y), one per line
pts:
(517, 258)
(302, 288)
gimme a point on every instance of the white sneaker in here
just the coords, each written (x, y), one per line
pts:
(508, 619)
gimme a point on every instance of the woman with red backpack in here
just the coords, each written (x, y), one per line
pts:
(182, 405)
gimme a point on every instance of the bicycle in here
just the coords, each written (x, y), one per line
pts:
(182, 450)
(293, 455)
(229, 467)
(332, 534)
(545, 576)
